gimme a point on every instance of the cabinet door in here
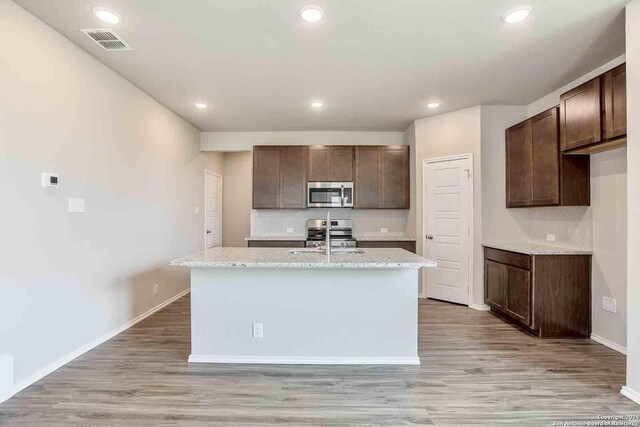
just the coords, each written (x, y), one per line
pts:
(615, 102)
(319, 164)
(293, 177)
(266, 177)
(367, 181)
(494, 284)
(518, 294)
(342, 164)
(545, 159)
(519, 165)
(580, 121)
(395, 177)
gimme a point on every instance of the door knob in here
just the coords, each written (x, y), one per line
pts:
(429, 236)
(208, 231)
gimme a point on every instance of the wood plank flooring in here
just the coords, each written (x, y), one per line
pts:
(476, 370)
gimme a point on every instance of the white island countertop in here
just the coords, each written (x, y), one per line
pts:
(283, 258)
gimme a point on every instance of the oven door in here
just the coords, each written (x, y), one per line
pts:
(330, 194)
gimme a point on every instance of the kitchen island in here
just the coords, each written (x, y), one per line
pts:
(310, 308)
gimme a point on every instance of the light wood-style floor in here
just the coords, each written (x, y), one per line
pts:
(476, 370)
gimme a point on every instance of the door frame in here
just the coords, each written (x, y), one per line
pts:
(425, 163)
(204, 210)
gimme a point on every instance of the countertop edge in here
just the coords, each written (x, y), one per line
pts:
(537, 249)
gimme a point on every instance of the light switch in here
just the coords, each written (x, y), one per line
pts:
(76, 205)
(289, 230)
(384, 230)
(196, 210)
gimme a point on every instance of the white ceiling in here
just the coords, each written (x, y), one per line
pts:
(376, 63)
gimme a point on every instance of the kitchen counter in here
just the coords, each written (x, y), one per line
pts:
(383, 238)
(282, 258)
(292, 237)
(362, 238)
(537, 249)
(271, 306)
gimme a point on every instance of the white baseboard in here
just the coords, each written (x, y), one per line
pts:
(610, 344)
(83, 349)
(285, 360)
(631, 394)
(480, 307)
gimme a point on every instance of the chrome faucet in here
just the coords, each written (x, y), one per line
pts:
(327, 241)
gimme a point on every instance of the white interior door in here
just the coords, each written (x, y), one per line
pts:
(213, 210)
(447, 226)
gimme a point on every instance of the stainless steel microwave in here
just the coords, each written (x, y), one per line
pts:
(330, 195)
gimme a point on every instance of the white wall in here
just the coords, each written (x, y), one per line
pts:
(449, 134)
(238, 141)
(69, 279)
(236, 198)
(609, 264)
(633, 196)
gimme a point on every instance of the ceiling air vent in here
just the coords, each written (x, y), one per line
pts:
(107, 39)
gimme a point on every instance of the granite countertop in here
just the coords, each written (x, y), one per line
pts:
(362, 238)
(384, 238)
(537, 249)
(293, 237)
(282, 258)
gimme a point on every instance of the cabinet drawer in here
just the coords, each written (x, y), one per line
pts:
(510, 258)
(406, 245)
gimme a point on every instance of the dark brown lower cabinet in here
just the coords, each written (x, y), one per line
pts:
(276, 243)
(409, 245)
(548, 295)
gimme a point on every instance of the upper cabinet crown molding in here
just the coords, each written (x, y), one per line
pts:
(593, 116)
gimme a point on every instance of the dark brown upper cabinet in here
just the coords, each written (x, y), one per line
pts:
(266, 177)
(580, 116)
(280, 177)
(368, 179)
(537, 174)
(330, 163)
(519, 165)
(293, 177)
(593, 116)
(614, 90)
(381, 177)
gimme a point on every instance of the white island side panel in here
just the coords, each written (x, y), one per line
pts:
(341, 316)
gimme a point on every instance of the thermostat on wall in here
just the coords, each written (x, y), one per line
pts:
(50, 180)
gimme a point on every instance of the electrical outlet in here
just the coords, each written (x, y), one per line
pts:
(609, 304)
(76, 205)
(384, 230)
(156, 290)
(551, 237)
(258, 330)
(289, 230)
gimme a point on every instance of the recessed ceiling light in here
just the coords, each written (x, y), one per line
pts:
(311, 13)
(317, 105)
(433, 105)
(517, 15)
(107, 15)
(200, 105)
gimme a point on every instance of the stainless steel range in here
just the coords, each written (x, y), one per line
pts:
(341, 233)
